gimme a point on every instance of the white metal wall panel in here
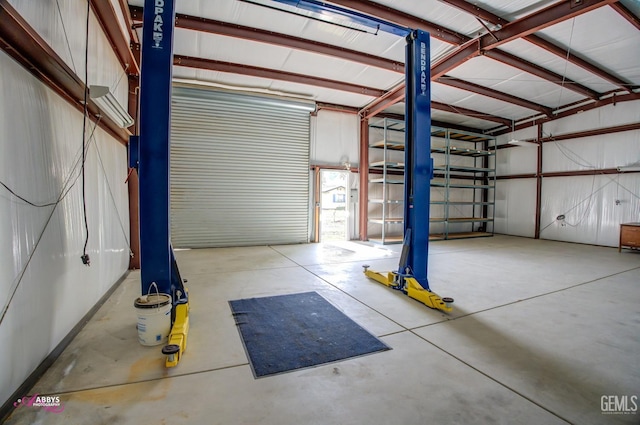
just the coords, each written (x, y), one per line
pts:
(239, 169)
(335, 138)
(516, 160)
(596, 152)
(606, 116)
(41, 143)
(515, 207)
(62, 26)
(588, 203)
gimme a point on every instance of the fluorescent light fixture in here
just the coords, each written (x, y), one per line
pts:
(523, 143)
(108, 104)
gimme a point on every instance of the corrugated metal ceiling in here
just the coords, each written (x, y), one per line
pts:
(606, 37)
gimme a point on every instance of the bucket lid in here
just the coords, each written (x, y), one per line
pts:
(152, 301)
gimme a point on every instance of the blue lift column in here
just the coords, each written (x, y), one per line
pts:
(411, 276)
(418, 162)
(157, 262)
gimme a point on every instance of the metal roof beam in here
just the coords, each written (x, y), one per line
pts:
(404, 19)
(541, 72)
(391, 97)
(626, 14)
(24, 44)
(494, 94)
(254, 71)
(540, 20)
(470, 113)
(108, 20)
(560, 52)
(487, 16)
(263, 36)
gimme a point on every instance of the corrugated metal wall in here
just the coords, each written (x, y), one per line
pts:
(239, 169)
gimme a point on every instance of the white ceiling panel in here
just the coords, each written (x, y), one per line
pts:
(513, 9)
(438, 13)
(462, 120)
(454, 96)
(560, 66)
(493, 74)
(603, 37)
(340, 70)
(268, 86)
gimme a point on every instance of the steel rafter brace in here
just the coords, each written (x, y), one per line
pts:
(411, 277)
(149, 153)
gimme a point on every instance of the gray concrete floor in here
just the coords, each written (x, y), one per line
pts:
(540, 332)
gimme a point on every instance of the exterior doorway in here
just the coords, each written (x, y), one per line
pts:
(334, 205)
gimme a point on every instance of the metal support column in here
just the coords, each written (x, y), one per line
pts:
(418, 162)
(157, 262)
(411, 277)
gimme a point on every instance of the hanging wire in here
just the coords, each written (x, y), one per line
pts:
(85, 256)
(584, 163)
(566, 62)
(66, 188)
(64, 30)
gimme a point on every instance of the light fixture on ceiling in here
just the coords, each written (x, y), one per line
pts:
(523, 143)
(108, 104)
(517, 142)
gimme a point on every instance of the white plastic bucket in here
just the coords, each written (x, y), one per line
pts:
(154, 318)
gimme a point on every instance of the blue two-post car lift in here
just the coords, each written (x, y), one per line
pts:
(411, 277)
(149, 153)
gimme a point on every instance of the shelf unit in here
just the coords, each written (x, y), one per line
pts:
(463, 188)
(386, 181)
(462, 191)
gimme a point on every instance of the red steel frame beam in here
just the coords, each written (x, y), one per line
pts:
(544, 44)
(541, 72)
(578, 108)
(495, 94)
(393, 15)
(627, 14)
(590, 133)
(469, 112)
(487, 44)
(263, 36)
(391, 97)
(254, 71)
(25, 45)
(540, 20)
(108, 20)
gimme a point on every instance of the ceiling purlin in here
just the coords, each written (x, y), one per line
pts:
(540, 20)
(538, 71)
(255, 34)
(254, 71)
(495, 94)
(470, 113)
(487, 44)
(393, 15)
(469, 48)
(491, 18)
(627, 14)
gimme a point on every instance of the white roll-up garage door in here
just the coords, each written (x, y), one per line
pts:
(239, 169)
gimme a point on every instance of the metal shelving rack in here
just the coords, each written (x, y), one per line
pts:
(467, 167)
(387, 172)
